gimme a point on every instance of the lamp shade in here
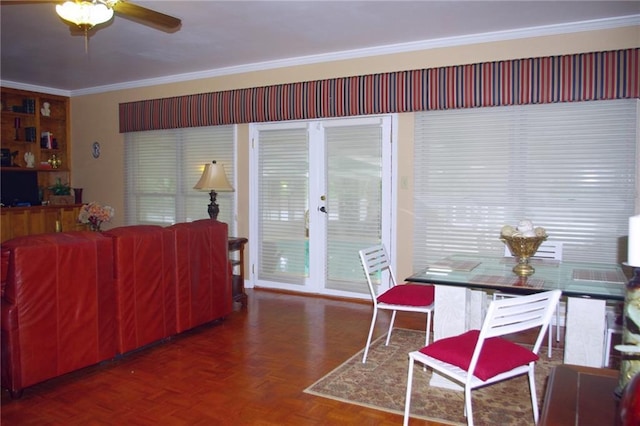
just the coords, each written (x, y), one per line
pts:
(84, 13)
(214, 178)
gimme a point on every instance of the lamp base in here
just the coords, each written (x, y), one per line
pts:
(213, 209)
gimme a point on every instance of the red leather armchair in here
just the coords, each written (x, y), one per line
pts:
(203, 286)
(145, 284)
(58, 307)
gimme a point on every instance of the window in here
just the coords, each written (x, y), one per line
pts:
(569, 167)
(162, 166)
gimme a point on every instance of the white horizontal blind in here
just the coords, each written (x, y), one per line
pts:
(283, 194)
(151, 164)
(354, 197)
(569, 167)
(162, 166)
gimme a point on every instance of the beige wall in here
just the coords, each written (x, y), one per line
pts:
(95, 117)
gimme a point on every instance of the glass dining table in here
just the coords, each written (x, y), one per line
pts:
(462, 282)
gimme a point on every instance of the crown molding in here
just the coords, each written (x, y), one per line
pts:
(34, 88)
(567, 28)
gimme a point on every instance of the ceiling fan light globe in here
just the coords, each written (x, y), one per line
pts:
(84, 13)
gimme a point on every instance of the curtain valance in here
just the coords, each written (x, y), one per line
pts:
(565, 78)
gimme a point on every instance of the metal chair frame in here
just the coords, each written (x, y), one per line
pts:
(374, 261)
(504, 316)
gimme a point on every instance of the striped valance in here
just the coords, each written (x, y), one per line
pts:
(566, 78)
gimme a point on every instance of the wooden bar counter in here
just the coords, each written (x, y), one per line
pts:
(18, 221)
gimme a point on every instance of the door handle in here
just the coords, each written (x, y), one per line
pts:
(323, 209)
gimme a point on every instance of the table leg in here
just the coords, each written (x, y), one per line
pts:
(584, 337)
(456, 310)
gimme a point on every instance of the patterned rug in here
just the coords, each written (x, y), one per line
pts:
(381, 384)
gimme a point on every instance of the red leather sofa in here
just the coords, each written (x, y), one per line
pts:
(58, 307)
(203, 282)
(144, 274)
(74, 299)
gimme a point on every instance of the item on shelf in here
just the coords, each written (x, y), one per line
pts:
(16, 125)
(77, 193)
(55, 161)
(30, 159)
(61, 200)
(46, 140)
(29, 106)
(30, 134)
(60, 188)
(5, 158)
(46, 109)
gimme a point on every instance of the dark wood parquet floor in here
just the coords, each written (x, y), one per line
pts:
(250, 369)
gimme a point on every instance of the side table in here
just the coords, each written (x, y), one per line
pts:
(577, 395)
(236, 244)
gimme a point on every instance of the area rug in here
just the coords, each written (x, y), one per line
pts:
(381, 384)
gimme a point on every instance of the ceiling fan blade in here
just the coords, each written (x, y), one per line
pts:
(140, 13)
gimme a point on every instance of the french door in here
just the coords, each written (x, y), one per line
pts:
(322, 191)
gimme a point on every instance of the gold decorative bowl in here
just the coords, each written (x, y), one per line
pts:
(523, 248)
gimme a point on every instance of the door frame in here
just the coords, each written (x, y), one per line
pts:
(389, 203)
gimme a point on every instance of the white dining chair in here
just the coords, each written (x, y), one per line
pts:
(399, 297)
(479, 358)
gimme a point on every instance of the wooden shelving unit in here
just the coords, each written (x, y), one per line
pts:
(22, 126)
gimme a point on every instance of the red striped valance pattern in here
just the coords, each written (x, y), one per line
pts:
(566, 78)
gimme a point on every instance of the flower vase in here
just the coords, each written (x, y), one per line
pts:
(94, 227)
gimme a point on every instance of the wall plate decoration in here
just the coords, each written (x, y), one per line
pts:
(95, 149)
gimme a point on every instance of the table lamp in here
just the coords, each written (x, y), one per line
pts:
(213, 179)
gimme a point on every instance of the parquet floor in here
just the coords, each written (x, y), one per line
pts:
(249, 369)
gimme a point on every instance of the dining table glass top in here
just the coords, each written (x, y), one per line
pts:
(578, 279)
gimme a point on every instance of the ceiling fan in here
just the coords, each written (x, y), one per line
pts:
(88, 13)
(85, 14)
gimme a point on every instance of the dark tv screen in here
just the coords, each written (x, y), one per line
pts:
(19, 188)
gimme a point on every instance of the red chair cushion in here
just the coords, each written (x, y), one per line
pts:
(408, 295)
(498, 355)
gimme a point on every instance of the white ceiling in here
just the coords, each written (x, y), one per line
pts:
(222, 37)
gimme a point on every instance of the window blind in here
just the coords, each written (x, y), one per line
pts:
(354, 201)
(283, 194)
(162, 166)
(570, 168)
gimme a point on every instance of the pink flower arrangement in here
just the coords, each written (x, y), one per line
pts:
(94, 215)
